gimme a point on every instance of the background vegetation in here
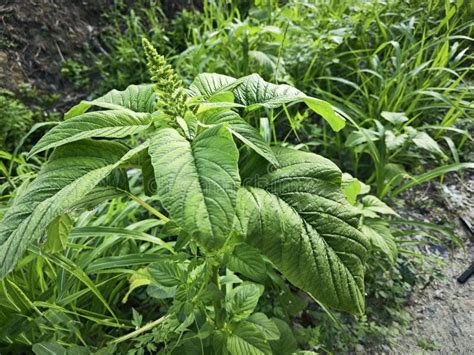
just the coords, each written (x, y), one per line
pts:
(400, 73)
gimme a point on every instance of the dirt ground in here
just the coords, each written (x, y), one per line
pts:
(38, 36)
(443, 313)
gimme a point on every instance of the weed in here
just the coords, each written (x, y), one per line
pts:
(224, 193)
(16, 119)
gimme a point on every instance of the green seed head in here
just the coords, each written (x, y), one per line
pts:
(168, 86)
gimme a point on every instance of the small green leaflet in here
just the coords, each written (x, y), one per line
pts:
(380, 237)
(247, 261)
(266, 325)
(168, 273)
(139, 278)
(286, 344)
(372, 207)
(58, 233)
(247, 339)
(241, 301)
(424, 141)
(396, 118)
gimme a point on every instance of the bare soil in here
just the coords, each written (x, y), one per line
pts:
(37, 36)
(443, 313)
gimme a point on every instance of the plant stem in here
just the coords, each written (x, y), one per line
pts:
(218, 300)
(139, 331)
(147, 206)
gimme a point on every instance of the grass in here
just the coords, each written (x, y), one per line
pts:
(76, 295)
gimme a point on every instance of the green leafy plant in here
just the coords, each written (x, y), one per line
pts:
(77, 73)
(121, 61)
(71, 294)
(392, 145)
(16, 119)
(371, 60)
(237, 207)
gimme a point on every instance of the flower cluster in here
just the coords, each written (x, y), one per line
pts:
(170, 93)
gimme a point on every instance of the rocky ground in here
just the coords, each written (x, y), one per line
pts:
(443, 313)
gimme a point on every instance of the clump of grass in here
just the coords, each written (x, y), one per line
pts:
(16, 119)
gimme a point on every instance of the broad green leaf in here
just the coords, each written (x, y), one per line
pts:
(266, 325)
(138, 98)
(246, 133)
(247, 339)
(197, 181)
(139, 278)
(71, 173)
(254, 92)
(376, 207)
(247, 261)
(241, 301)
(396, 118)
(299, 218)
(168, 272)
(424, 141)
(207, 84)
(107, 124)
(286, 344)
(58, 233)
(49, 348)
(380, 237)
